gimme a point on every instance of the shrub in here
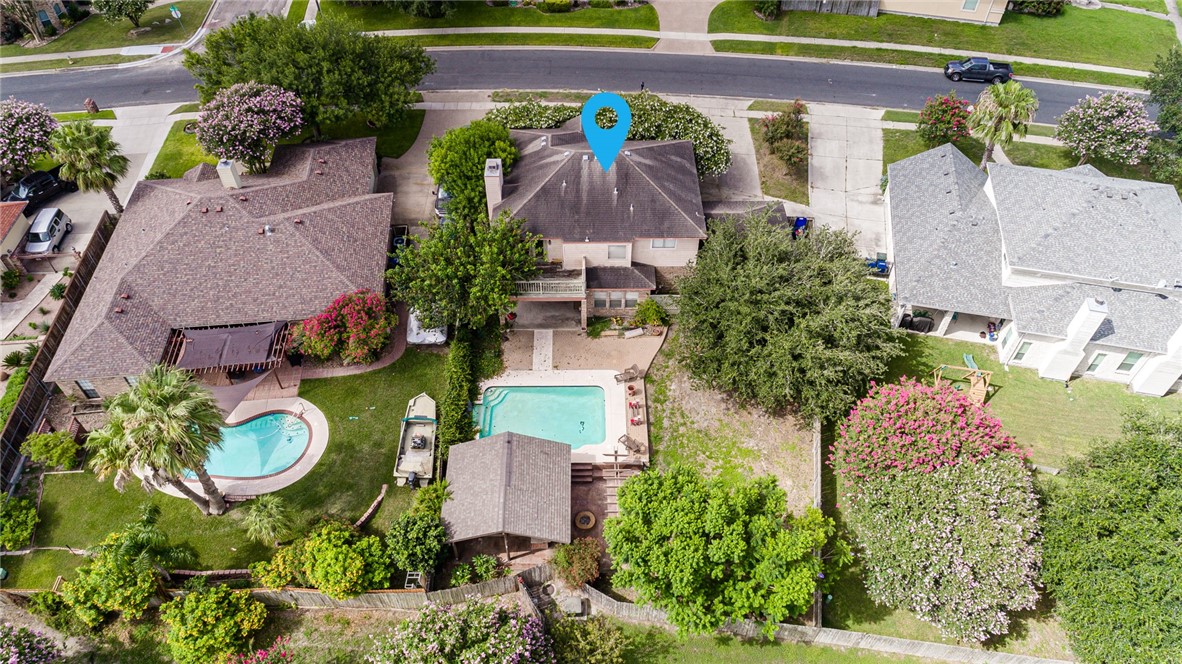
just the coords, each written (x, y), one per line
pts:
(267, 519)
(532, 115)
(601, 4)
(429, 499)
(793, 154)
(910, 427)
(158, 175)
(12, 390)
(578, 562)
(55, 612)
(554, 6)
(957, 546)
(212, 624)
(461, 575)
(245, 122)
(18, 520)
(356, 326)
(1038, 7)
(57, 291)
(25, 131)
(595, 640)
(10, 279)
(1164, 158)
(465, 634)
(650, 312)
(15, 359)
(52, 449)
(485, 567)
(416, 541)
(785, 126)
(425, 8)
(455, 425)
(1113, 126)
(769, 10)
(21, 645)
(333, 558)
(276, 653)
(944, 119)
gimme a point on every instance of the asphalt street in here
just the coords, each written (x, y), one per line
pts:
(541, 69)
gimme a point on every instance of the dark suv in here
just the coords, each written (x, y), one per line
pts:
(38, 188)
(978, 69)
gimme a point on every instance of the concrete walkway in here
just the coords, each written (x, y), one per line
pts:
(684, 17)
(543, 358)
(845, 171)
(1175, 17)
(12, 313)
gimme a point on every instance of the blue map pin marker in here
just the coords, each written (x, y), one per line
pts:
(606, 143)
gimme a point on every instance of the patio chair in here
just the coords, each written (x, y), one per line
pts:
(630, 374)
(634, 446)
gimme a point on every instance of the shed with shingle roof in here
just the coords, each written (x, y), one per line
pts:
(508, 485)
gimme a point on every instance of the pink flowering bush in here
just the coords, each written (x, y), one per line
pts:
(244, 122)
(944, 119)
(911, 427)
(1113, 126)
(25, 130)
(959, 546)
(356, 325)
(276, 653)
(21, 645)
(470, 633)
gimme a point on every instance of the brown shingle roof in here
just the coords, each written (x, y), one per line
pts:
(638, 276)
(184, 268)
(651, 190)
(508, 484)
(9, 213)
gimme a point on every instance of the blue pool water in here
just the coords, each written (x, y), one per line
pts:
(571, 415)
(261, 446)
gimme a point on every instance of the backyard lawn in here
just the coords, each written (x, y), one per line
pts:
(96, 32)
(379, 16)
(914, 58)
(776, 179)
(899, 144)
(363, 412)
(1102, 36)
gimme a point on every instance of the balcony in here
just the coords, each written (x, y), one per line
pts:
(553, 283)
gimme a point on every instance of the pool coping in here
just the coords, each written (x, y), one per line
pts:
(255, 486)
(615, 402)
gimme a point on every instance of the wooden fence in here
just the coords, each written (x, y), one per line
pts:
(624, 610)
(851, 7)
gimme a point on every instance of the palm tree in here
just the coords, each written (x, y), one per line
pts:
(1003, 113)
(90, 158)
(164, 426)
(267, 519)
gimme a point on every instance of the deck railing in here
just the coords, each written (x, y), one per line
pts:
(550, 287)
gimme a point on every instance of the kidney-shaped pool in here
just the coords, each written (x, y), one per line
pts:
(261, 446)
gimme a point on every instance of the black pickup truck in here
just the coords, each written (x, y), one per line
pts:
(978, 69)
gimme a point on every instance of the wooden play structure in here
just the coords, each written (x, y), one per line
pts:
(976, 379)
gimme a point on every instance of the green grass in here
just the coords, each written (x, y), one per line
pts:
(775, 178)
(515, 39)
(899, 144)
(1054, 423)
(91, 61)
(299, 8)
(180, 152)
(771, 106)
(95, 32)
(39, 569)
(892, 115)
(1057, 157)
(653, 644)
(477, 14)
(77, 510)
(106, 114)
(565, 96)
(855, 54)
(1102, 36)
(186, 108)
(1158, 6)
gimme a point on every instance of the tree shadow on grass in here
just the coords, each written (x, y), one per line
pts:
(1020, 622)
(651, 644)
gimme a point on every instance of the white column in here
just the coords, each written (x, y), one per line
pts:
(1066, 355)
(1158, 374)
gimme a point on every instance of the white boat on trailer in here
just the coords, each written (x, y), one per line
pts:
(416, 443)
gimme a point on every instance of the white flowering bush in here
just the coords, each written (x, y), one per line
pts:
(25, 130)
(244, 122)
(470, 633)
(1113, 126)
(532, 115)
(654, 119)
(958, 546)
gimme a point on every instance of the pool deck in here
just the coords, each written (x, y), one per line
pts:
(615, 395)
(317, 443)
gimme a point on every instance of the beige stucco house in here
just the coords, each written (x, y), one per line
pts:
(988, 12)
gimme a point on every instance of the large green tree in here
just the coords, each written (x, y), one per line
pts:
(1165, 89)
(163, 427)
(416, 541)
(211, 624)
(1113, 550)
(334, 69)
(777, 321)
(456, 162)
(463, 273)
(708, 551)
(1003, 112)
(117, 10)
(90, 158)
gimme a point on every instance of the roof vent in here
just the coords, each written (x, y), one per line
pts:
(298, 220)
(217, 209)
(243, 198)
(586, 157)
(319, 172)
(124, 296)
(1124, 195)
(955, 264)
(189, 202)
(631, 208)
(119, 310)
(566, 154)
(627, 153)
(268, 229)
(321, 161)
(204, 210)
(262, 230)
(564, 183)
(616, 190)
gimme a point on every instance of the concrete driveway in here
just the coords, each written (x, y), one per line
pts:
(406, 176)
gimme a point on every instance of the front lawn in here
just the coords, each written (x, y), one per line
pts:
(106, 114)
(1058, 157)
(179, 153)
(96, 32)
(1055, 423)
(379, 16)
(899, 144)
(522, 39)
(912, 117)
(776, 179)
(1158, 6)
(89, 61)
(1102, 36)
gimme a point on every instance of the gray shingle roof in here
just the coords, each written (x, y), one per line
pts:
(1078, 223)
(637, 277)
(183, 268)
(508, 484)
(947, 246)
(651, 191)
(1137, 320)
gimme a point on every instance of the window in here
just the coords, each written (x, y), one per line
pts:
(666, 243)
(1096, 362)
(44, 18)
(599, 300)
(1022, 350)
(57, 9)
(132, 381)
(1129, 362)
(969, 5)
(616, 300)
(87, 388)
(630, 299)
(617, 252)
(1008, 337)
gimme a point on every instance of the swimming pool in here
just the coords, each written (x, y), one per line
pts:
(571, 415)
(260, 446)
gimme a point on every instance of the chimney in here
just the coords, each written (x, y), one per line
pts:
(228, 172)
(494, 184)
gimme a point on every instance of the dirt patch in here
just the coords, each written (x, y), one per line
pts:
(777, 179)
(705, 429)
(41, 316)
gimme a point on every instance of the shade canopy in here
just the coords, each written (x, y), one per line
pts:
(228, 346)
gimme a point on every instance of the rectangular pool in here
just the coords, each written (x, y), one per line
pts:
(571, 415)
